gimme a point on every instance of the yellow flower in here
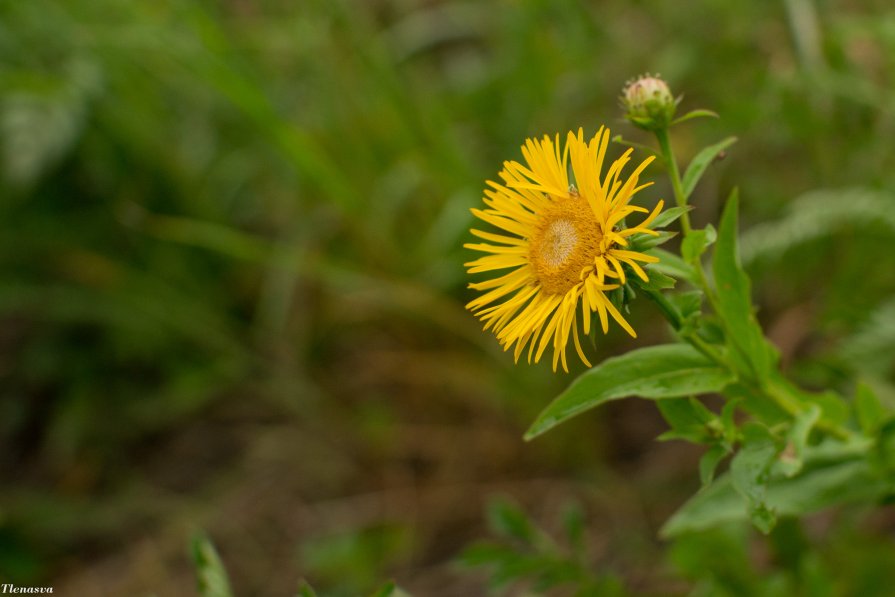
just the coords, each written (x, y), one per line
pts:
(563, 245)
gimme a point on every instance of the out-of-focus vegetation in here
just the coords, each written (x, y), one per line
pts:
(231, 291)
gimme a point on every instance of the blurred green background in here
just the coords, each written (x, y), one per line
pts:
(232, 286)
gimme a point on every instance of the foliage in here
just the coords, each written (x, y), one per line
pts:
(527, 556)
(210, 571)
(771, 472)
(206, 204)
(793, 452)
(213, 582)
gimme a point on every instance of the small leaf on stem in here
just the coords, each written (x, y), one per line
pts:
(700, 162)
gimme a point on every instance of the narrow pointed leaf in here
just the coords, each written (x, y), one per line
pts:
(709, 463)
(667, 371)
(870, 411)
(669, 216)
(695, 244)
(211, 575)
(700, 113)
(672, 265)
(387, 590)
(792, 458)
(644, 242)
(750, 473)
(701, 161)
(812, 490)
(734, 298)
(657, 281)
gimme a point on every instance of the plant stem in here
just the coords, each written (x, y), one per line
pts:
(675, 174)
(707, 349)
(780, 396)
(668, 310)
(681, 200)
(791, 404)
(676, 320)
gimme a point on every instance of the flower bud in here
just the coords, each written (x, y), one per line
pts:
(648, 103)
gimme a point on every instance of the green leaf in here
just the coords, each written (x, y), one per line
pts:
(669, 216)
(750, 470)
(672, 265)
(305, 590)
(700, 113)
(508, 520)
(833, 408)
(389, 589)
(667, 371)
(716, 504)
(695, 244)
(688, 419)
(574, 523)
(709, 463)
(728, 424)
(817, 215)
(885, 445)
(486, 552)
(734, 301)
(645, 242)
(688, 303)
(869, 349)
(657, 280)
(210, 573)
(793, 455)
(812, 490)
(700, 162)
(870, 411)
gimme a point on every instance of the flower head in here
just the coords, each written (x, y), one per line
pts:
(648, 102)
(564, 245)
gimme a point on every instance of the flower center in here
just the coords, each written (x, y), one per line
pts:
(559, 240)
(564, 244)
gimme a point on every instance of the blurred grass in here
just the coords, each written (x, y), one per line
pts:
(214, 213)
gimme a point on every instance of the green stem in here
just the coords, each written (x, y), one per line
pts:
(675, 174)
(677, 321)
(707, 349)
(668, 310)
(793, 405)
(681, 200)
(780, 396)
